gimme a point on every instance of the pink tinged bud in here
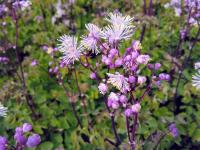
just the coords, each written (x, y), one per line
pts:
(158, 83)
(128, 58)
(55, 70)
(118, 62)
(164, 76)
(128, 50)
(131, 79)
(113, 97)
(27, 127)
(151, 66)
(33, 141)
(141, 79)
(123, 99)
(108, 61)
(55, 49)
(157, 66)
(124, 105)
(113, 52)
(50, 70)
(110, 56)
(103, 88)
(143, 59)
(97, 64)
(134, 54)
(167, 77)
(136, 108)
(136, 45)
(93, 75)
(154, 77)
(109, 103)
(103, 58)
(34, 63)
(19, 137)
(134, 67)
(128, 112)
(115, 105)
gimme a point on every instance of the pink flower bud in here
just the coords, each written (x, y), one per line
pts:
(136, 108)
(118, 62)
(103, 88)
(157, 66)
(115, 105)
(113, 52)
(131, 79)
(128, 112)
(123, 99)
(143, 59)
(93, 75)
(141, 79)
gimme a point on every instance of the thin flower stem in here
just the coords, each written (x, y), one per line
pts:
(80, 94)
(128, 132)
(118, 141)
(184, 65)
(146, 92)
(144, 7)
(142, 33)
(28, 97)
(71, 103)
(135, 125)
(150, 7)
(161, 138)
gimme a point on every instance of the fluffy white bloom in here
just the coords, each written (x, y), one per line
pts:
(196, 80)
(119, 81)
(197, 65)
(3, 110)
(23, 4)
(116, 33)
(70, 49)
(90, 41)
(94, 31)
(118, 19)
(59, 11)
(121, 28)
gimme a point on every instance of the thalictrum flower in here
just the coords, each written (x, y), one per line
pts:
(91, 40)
(119, 81)
(117, 18)
(196, 80)
(197, 65)
(70, 49)
(116, 33)
(3, 110)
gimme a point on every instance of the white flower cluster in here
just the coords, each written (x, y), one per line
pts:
(121, 28)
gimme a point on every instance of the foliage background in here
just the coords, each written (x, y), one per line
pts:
(56, 123)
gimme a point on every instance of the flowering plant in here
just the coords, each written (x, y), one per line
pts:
(123, 69)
